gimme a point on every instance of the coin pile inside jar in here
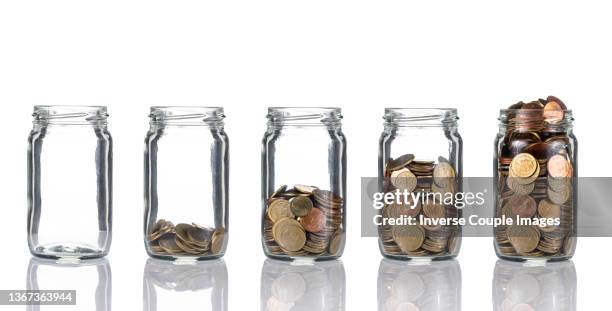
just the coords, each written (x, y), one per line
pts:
(184, 239)
(303, 221)
(406, 173)
(535, 173)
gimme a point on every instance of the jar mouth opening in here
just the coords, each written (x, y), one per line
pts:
(68, 114)
(421, 116)
(304, 115)
(187, 113)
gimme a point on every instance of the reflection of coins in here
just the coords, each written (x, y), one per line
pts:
(523, 287)
(523, 165)
(279, 208)
(523, 238)
(522, 205)
(407, 286)
(314, 221)
(289, 287)
(404, 179)
(301, 206)
(289, 234)
(408, 238)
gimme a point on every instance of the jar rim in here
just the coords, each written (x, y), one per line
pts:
(408, 116)
(70, 114)
(186, 114)
(304, 115)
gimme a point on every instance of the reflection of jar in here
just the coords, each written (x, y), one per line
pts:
(414, 285)
(185, 286)
(318, 286)
(69, 182)
(420, 156)
(186, 170)
(304, 184)
(535, 174)
(91, 280)
(521, 286)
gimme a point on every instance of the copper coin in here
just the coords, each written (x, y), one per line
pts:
(314, 221)
(558, 167)
(523, 206)
(553, 112)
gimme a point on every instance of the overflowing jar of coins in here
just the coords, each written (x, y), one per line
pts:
(303, 184)
(186, 183)
(535, 175)
(420, 169)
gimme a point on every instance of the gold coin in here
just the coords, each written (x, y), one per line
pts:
(404, 179)
(433, 210)
(289, 234)
(218, 238)
(443, 174)
(547, 209)
(301, 206)
(524, 239)
(278, 209)
(523, 165)
(408, 238)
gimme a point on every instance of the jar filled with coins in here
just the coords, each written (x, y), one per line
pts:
(420, 169)
(535, 175)
(304, 184)
(186, 183)
(69, 182)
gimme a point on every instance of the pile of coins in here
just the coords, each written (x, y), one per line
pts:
(303, 221)
(184, 240)
(535, 181)
(406, 173)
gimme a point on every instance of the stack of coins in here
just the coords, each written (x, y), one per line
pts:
(406, 173)
(183, 240)
(535, 181)
(303, 221)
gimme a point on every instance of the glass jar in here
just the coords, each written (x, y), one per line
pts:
(527, 286)
(420, 162)
(289, 286)
(535, 169)
(200, 285)
(414, 285)
(69, 182)
(186, 183)
(304, 184)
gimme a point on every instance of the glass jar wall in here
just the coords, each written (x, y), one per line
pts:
(69, 182)
(535, 173)
(186, 183)
(304, 184)
(420, 155)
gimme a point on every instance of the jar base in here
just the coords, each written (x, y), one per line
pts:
(185, 259)
(302, 259)
(69, 251)
(534, 259)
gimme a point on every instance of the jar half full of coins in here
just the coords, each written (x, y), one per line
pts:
(303, 184)
(420, 164)
(535, 174)
(186, 183)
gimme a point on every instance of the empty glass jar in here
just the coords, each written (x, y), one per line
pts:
(304, 184)
(535, 175)
(420, 163)
(69, 182)
(186, 183)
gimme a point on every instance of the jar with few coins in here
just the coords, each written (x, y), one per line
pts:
(535, 181)
(186, 183)
(420, 167)
(304, 184)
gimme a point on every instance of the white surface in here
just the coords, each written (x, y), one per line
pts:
(478, 56)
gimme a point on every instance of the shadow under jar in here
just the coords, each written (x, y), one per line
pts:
(69, 182)
(535, 169)
(420, 163)
(186, 183)
(304, 184)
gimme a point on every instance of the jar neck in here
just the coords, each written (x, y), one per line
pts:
(534, 120)
(186, 116)
(295, 117)
(70, 115)
(414, 118)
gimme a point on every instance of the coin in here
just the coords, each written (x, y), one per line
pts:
(289, 234)
(305, 189)
(280, 189)
(558, 167)
(408, 238)
(301, 206)
(218, 238)
(314, 221)
(337, 242)
(523, 206)
(404, 179)
(399, 162)
(433, 210)
(443, 174)
(553, 112)
(279, 208)
(168, 243)
(523, 238)
(523, 165)
(547, 209)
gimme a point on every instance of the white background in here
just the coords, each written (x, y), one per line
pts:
(478, 56)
